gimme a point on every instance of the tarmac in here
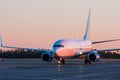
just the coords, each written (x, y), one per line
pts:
(35, 69)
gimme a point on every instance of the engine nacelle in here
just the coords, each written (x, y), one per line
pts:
(93, 56)
(47, 56)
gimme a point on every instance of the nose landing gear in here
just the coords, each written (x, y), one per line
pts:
(60, 61)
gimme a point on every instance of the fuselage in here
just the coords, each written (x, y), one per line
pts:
(67, 48)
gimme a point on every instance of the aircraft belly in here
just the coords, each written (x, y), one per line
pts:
(66, 53)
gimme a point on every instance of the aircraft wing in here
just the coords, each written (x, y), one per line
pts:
(1, 44)
(112, 49)
(103, 50)
(96, 42)
(20, 48)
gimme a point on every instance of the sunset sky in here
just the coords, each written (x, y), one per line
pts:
(39, 23)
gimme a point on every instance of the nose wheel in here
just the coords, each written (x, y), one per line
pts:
(60, 61)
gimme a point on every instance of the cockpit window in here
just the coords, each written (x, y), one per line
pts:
(58, 46)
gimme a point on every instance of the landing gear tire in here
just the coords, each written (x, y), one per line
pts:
(87, 61)
(60, 61)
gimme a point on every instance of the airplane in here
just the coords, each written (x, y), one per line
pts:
(71, 49)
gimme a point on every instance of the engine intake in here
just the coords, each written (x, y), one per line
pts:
(47, 56)
(93, 56)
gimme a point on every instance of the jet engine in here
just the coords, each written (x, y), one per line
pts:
(93, 56)
(47, 56)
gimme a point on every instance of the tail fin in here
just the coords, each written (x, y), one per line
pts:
(87, 26)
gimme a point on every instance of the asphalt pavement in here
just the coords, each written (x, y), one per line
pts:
(35, 69)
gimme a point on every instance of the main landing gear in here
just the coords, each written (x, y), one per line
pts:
(87, 61)
(60, 61)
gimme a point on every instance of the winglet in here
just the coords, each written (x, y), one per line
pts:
(87, 26)
(1, 41)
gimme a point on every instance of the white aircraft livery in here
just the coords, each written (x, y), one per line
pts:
(70, 49)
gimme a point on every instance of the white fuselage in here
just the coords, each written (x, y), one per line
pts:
(69, 48)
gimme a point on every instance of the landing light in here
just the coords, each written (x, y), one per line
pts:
(80, 52)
